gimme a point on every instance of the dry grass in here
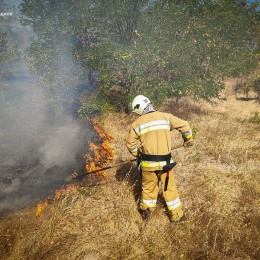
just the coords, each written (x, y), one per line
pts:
(218, 181)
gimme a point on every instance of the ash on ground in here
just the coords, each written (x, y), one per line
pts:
(39, 145)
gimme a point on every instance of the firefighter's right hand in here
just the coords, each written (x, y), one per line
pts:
(188, 144)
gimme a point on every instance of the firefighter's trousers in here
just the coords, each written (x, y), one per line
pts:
(150, 189)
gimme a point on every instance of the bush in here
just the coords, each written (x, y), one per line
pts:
(93, 104)
(243, 88)
(256, 87)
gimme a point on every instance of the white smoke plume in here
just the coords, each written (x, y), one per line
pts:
(39, 146)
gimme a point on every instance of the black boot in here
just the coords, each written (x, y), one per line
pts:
(145, 214)
(182, 219)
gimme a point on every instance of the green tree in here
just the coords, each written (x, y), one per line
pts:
(159, 48)
(51, 55)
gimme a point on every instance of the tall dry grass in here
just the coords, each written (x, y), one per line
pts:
(218, 182)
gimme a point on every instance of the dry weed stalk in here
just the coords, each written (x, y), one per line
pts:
(218, 182)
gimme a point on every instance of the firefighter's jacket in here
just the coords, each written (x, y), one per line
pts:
(150, 134)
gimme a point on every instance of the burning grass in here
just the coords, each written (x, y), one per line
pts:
(102, 153)
(58, 194)
(218, 181)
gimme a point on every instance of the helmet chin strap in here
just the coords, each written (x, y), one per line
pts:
(149, 109)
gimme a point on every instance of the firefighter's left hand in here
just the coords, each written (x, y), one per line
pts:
(188, 144)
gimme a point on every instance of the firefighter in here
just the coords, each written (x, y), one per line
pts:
(150, 140)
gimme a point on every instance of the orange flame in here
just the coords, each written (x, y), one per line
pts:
(101, 133)
(40, 207)
(102, 153)
(58, 194)
(71, 189)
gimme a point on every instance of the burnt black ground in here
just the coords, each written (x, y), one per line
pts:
(29, 129)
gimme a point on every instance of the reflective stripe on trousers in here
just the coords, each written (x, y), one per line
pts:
(150, 203)
(173, 204)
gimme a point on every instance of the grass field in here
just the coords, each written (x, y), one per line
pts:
(218, 182)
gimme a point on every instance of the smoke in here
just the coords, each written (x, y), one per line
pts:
(60, 147)
(40, 145)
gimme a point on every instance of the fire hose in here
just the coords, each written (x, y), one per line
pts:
(69, 178)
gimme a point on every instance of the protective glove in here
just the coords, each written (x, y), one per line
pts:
(188, 143)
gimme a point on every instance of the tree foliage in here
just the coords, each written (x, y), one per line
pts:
(160, 48)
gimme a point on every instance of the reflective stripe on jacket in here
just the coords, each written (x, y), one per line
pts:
(152, 130)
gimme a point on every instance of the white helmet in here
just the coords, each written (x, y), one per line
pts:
(139, 104)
